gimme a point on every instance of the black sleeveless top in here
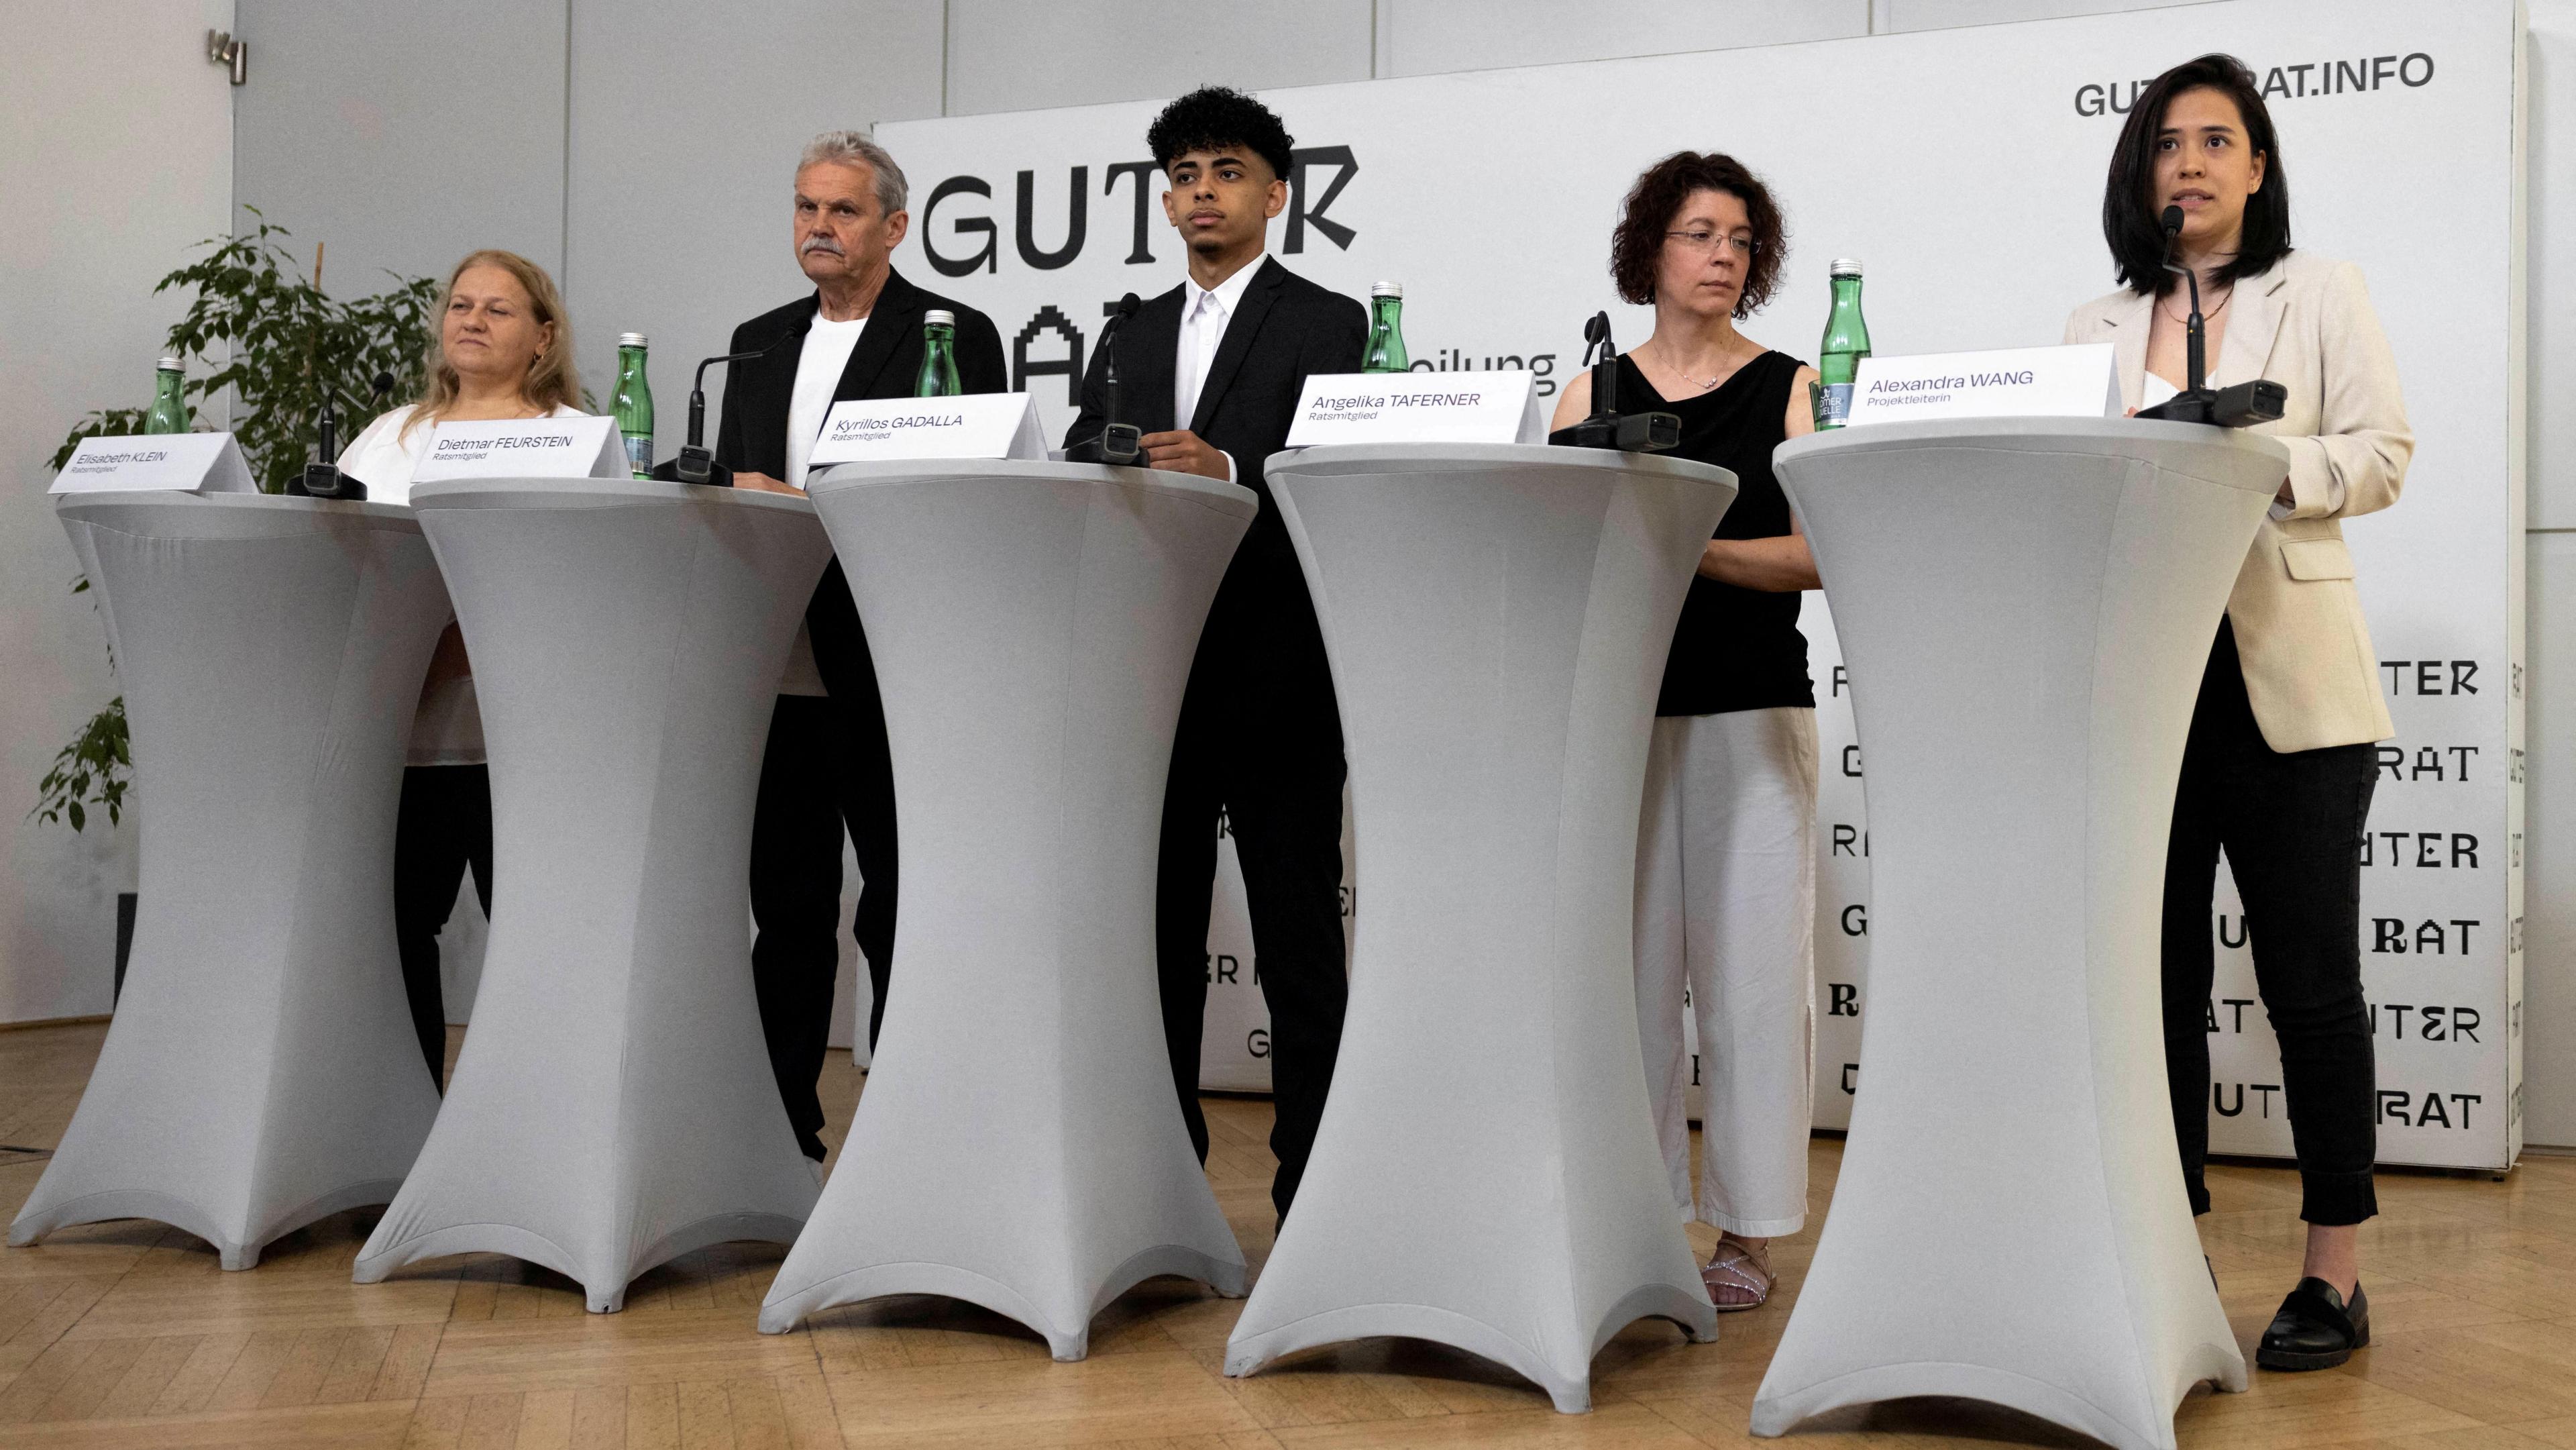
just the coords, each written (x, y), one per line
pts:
(1735, 649)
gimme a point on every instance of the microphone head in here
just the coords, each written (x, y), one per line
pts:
(383, 383)
(1128, 304)
(2172, 220)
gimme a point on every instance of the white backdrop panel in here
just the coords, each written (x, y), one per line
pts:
(1491, 195)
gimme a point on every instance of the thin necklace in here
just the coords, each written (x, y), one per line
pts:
(1686, 377)
(2213, 312)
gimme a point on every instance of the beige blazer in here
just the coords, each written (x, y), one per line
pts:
(2306, 324)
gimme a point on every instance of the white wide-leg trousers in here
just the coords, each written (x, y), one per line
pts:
(1726, 914)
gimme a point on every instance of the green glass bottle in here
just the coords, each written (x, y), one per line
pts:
(938, 377)
(1385, 352)
(1846, 343)
(634, 403)
(169, 403)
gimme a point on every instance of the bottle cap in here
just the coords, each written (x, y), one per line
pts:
(1388, 289)
(1846, 267)
(939, 317)
(632, 339)
(171, 365)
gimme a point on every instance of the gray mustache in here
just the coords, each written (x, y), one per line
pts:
(822, 244)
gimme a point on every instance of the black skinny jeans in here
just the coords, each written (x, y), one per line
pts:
(2291, 826)
(442, 830)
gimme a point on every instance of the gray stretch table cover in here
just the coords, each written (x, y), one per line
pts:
(613, 1107)
(2026, 606)
(1019, 1145)
(261, 1072)
(1486, 1174)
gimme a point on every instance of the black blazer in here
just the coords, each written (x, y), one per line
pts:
(1261, 646)
(885, 364)
(1285, 330)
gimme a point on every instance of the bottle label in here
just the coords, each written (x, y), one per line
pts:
(1833, 404)
(639, 453)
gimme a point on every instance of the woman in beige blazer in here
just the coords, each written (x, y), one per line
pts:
(2280, 764)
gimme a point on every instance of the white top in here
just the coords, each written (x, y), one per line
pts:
(1205, 315)
(382, 456)
(828, 345)
(448, 728)
(818, 376)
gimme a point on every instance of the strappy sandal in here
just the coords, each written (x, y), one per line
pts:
(1741, 1269)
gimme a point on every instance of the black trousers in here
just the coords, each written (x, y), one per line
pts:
(826, 767)
(442, 828)
(2291, 826)
(1260, 744)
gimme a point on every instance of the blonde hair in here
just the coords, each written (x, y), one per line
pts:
(551, 382)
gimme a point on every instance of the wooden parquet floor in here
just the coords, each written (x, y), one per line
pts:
(128, 1334)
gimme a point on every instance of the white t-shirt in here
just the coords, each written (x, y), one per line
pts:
(828, 346)
(383, 456)
(447, 729)
(818, 375)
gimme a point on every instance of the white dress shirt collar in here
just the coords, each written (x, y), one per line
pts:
(1206, 312)
(1228, 293)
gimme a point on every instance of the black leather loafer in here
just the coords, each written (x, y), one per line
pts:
(2315, 1328)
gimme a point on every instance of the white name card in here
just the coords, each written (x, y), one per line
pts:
(183, 462)
(525, 448)
(976, 425)
(1497, 407)
(2080, 381)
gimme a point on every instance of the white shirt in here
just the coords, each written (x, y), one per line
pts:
(447, 728)
(383, 456)
(1205, 315)
(818, 375)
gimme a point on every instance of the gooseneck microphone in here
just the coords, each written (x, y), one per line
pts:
(1118, 442)
(1608, 427)
(2241, 406)
(322, 478)
(694, 462)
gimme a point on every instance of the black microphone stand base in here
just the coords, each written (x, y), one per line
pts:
(694, 465)
(1118, 444)
(323, 480)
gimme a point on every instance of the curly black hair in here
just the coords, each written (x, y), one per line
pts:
(1214, 118)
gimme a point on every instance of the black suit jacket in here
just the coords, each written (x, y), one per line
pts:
(1285, 330)
(885, 364)
(1261, 634)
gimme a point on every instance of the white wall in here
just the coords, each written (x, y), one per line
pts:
(119, 159)
(2549, 882)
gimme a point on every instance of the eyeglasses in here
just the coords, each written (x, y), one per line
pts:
(1707, 243)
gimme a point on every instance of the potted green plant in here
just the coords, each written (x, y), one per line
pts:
(263, 330)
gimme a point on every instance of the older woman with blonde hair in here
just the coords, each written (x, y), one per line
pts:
(502, 349)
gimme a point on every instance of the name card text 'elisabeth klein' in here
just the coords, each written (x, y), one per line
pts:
(176, 462)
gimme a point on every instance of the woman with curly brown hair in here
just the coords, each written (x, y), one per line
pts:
(1726, 861)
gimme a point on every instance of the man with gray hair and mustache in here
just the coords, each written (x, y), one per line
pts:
(857, 336)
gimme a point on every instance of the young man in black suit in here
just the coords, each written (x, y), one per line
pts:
(1212, 371)
(857, 336)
